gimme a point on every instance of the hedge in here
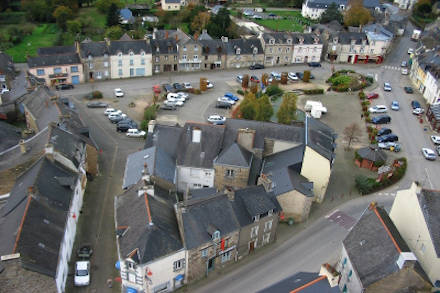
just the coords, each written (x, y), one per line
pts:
(240, 92)
(314, 92)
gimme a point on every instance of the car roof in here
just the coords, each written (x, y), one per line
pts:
(81, 265)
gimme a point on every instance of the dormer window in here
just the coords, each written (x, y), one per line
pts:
(272, 42)
(120, 55)
(255, 50)
(130, 265)
(157, 50)
(256, 218)
(105, 55)
(196, 48)
(184, 48)
(216, 235)
(142, 53)
(270, 212)
(289, 41)
(131, 53)
(237, 51)
(90, 57)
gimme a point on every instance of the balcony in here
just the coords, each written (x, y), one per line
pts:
(190, 61)
(58, 75)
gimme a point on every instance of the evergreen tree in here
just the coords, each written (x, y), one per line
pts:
(286, 112)
(332, 13)
(113, 15)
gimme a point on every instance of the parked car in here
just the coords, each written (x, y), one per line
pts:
(395, 105)
(128, 122)
(256, 66)
(183, 95)
(117, 118)
(429, 154)
(231, 96)
(119, 93)
(173, 103)
(168, 106)
(84, 251)
(411, 51)
(404, 64)
(82, 273)
(404, 71)
(371, 96)
(97, 105)
(381, 119)
(174, 97)
(408, 90)
(209, 84)
(108, 111)
(387, 87)
(394, 146)
(168, 88)
(239, 78)
(384, 131)
(314, 64)
(275, 75)
(435, 139)
(217, 119)
(178, 86)
(387, 138)
(418, 111)
(415, 104)
(438, 149)
(378, 109)
(301, 75)
(292, 76)
(187, 85)
(135, 133)
(124, 127)
(64, 86)
(222, 104)
(115, 113)
(226, 100)
(254, 79)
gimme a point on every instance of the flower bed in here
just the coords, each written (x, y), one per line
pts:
(348, 80)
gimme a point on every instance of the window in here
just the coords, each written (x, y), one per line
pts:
(270, 212)
(344, 262)
(204, 252)
(350, 273)
(75, 68)
(216, 235)
(120, 72)
(196, 57)
(254, 232)
(287, 50)
(131, 71)
(57, 70)
(279, 50)
(98, 75)
(178, 265)
(40, 71)
(131, 54)
(226, 256)
(90, 65)
(196, 48)
(184, 48)
(143, 53)
(208, 173)
(272, 41)
(266, 238)
(166, 57)
(256, 218)
(197, 185)
(270, 50)
(175, 58)
(230, 173)
(120, 55)
(90, 57)
(268, 226)
(206, 58)
(142, 61)
(156, 68)
(131, 62)
(130, 265)
(120, 63)
(106, 73)
(184, 57)
(105, 55)
(238, 51)
(157, 58)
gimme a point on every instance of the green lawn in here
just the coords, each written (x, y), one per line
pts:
(285, 13)
(44, 35)
(282, 25)
(98, 17)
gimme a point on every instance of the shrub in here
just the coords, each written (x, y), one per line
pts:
(369, 79)
(379, 163)
(368, 119)
(314, 92)
(357, 156)
(96, 95)
(240, 92)
(341, 79)
(364, 184)
(150, 113)
(274, 90)
(197, 91)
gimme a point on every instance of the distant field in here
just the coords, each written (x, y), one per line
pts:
(285, 13)
(44, 35)
(100, 19)
(282, 25)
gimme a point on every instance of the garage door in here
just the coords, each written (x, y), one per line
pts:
(75, 79)
(140, 71)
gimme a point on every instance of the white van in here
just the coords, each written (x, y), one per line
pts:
(315, 105)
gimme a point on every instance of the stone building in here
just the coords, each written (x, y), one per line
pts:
(278, 48)
(213, 54)
(242, 53)
(190, 55)
(95, 57)
(165, 55)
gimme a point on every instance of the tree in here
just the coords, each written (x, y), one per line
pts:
(114, 32)
(352, 133)
(62, 14)
(113, 15)
(73, 26)
(264, 109)
(104, 5)
(200, 21)
(287, 111)
(357, 14)
(248, 106)
(37, 10)
(219, 24)
(423, 9)
(332, 13)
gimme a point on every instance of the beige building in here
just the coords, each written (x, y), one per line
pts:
(171, 5)
(306, 48)
(415, 212)
(242, 53)
(278, 48)
(190, 55)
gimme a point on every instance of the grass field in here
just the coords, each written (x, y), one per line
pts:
(282, 25)
(44, 35)
(285, 13)
(98, 17)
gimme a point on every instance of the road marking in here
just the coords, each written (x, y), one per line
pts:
(329, 215)
(427, 177)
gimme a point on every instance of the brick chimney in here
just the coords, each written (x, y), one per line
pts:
(246, 137)
(331, 274)
(230, 192)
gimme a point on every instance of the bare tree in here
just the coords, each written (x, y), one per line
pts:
(352, 133)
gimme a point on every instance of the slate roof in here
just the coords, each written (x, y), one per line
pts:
(94, 49)
(172, 1)
(203, 215)
(252, 201)
(66, 143)
(372, 153)
(321, 138)
(308, 39)
(378, 32)
(429, 201)
(292, 157)
(166, 46)
(287, 179)
(263, 130)
(246, 46)
(10, 135)
(279, 37)
(202, 192)
(52, 60)
(300, 279)
(254, 172)
(235, 155)
(201, 154)
(204, 36)
(371, 249)
(125, 47)
(42, 108)
(166, 138)
(346, 37)
(56, 50)
(213, 47)
(152, 241)
(178, 35)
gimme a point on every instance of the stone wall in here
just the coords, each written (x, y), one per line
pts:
(239, 180)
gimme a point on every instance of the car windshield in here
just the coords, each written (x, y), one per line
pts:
(82, 273)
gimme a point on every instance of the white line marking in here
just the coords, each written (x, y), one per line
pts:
(427, 177)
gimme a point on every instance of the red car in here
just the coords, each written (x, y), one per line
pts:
(372, 96)
(255, 79)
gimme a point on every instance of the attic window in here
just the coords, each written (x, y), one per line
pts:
(41, 245)
(130, 265)
(90, 57)
(255, 50)
(105, 55)
(119, 54)
(46, 221)
(216, 235)
(256, 218)
(272, 42)
(157, 49)
(142, 53)
(131, 53)
(289, 41)
(237, 51)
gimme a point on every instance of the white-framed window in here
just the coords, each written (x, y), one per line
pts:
(178, 265)
(105, 64)
(166, 57)
(256, 218)
(196, 48)
(226, 256)
(268, 226)
(106, 73)
(120, 63)
(279, 50)
(184, 48)
(266, 238)
(91, 65)
(287, 50)
(204, 252)
(142, 61)
(254, 231)
(230, 173)
(120, 72)
(270, 50)
(157, 58)
(40, 72)
(270, 212)
(255, 50)
(142, 53)
(196, 57)
(184, 57)
(120, 55)
(131, 53)
(175, 58)
(131, 62)
(156, 68)
(272, 41)
(208, 173)
(197, 185)
(238, 51)
(98, 75)
(216, 235)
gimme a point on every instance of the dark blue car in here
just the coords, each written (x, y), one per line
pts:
(231, 97)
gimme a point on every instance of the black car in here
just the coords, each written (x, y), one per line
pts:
(256, 66)
(384, 131)
(408, 90)
(85, 251)
(381, 119)
(415, 105)
(301, 75)
(314, 64)
(388, 138)
(97, 105)
(64, 86)
(168, 88)
(168, 107)
(128, 121)
(178, 86)
(221, 104)
(123, 127)
(116, 119)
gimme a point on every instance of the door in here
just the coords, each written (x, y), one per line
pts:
(251, 246)
(75, 79)
(211, 263)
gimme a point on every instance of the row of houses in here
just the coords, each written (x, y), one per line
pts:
(200, 196)
(38, 222)
(174, 51)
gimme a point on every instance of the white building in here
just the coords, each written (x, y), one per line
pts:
(432, 84)
(315, 8)
(405, 4)
(306, 48)
(130, 59)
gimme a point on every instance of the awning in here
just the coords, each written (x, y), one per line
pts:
(179, 277)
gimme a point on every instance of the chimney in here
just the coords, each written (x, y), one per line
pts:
(246, 138)
(204, 31)
(48, 150)
(147, 206)
(31, 190)
(151, 126)
(107, 41)
(301, 40)
(331, 274)
(22, 146)
(145, 174)
(266, 182)
(406, 260)
(154, 33)
(196, 135)
(224, 39)
(230, 192)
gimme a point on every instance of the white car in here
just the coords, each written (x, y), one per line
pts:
(135, 133)
(183, 95)
(292, 76)
(387, 87)
(275, 75)
(108, 111)
(115, 113)
(187, 85)
(388, 145)
(410, 51)
(176, 99)
(404, 71)
(226, 100)
(209, 84)
(378, 109)
(429, 154)
(119, 93)
(418, 111)
(82, 273)
(173, 103)
(435, 139)
(217, 119)
(239, 78)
